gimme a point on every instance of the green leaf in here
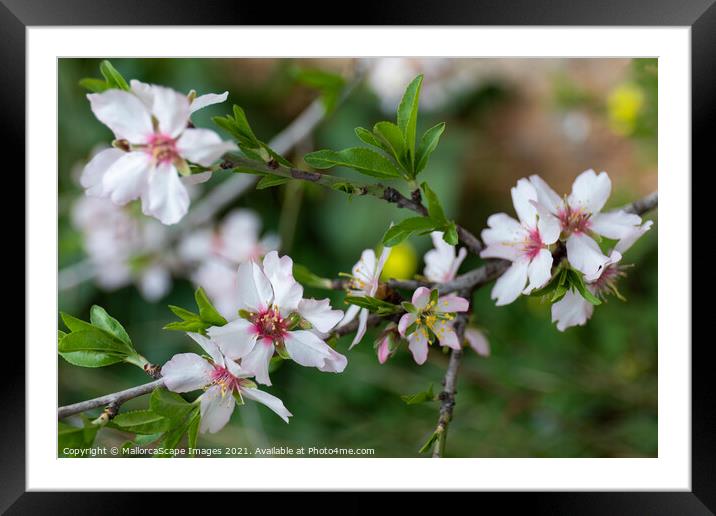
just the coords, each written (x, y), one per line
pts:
(373, 304)
(75, 324)
(193, 430)
(101, 319)
(419, 397)
(435, 209)
(197, 326)
(408, 227)
(112, 76)
(170, 405)
(93, 340)
(429, 443)
(450, 234)
(367, 137)
(363, 160)
(183, 313)
(408, 115)
(243, 126)
(391, 139)
(208, 313)
(94, 85)
(304, 276)
(328, 83)
(578, 283)
(69, 436)
(91, 358)
(141, 422)
(270, 180)
(428, 144)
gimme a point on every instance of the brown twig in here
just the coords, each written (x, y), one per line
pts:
(115, 399)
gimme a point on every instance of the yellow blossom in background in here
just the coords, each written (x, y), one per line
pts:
(623, 107)
(402, 262)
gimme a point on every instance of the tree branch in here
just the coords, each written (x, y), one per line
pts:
(115, 399)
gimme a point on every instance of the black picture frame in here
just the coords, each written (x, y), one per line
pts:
(700, 15)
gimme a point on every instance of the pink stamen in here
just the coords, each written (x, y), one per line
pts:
(269, 325)
(533, 244)
(574, 221)
(162, 148)
(222, 377)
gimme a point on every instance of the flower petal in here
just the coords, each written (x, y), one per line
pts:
(335, 363)
(306, 349)
(503, 229)
(615, 224)
(128, 178)
(203, 146)
(235, 339)
(257, 362)
(441, 264)
(255, 292)
(477, 341)
(123, 113)
(362, 327)
(155, 282)
(585, 255)
(186, 372)
(418, 346)
(383, 350)
(628, 240)
(166, 198)
(216, 408)
(421, 297)
(452, 303)
(507, 251)
(269, 400)
(207, 99)
(509, 286)
(171, 109)
(522, 196)
(548, 225)
(539, 271)
(571, 310)
(590, 191)
(287, 291)
(351, 313)
(545, 195)
(94, 171)
(446, 334)
(197, 179)
(209, 346)
(405, 322)
(320, 314)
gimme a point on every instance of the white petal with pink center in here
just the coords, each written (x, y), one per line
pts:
(524, 243)
(149, 169)
(221, 377)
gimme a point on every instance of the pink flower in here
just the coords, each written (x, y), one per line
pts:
(580, 215)
(272, 307)
(524, 243)
(573, 309)
(387, 343)
(155, 143)
(364, 282)
(223, 380)
(441, 263)
(477, 341)
(431, 316)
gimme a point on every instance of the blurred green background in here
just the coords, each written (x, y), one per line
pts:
(587, 392)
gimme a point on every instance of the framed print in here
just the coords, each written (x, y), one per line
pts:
(360, 258)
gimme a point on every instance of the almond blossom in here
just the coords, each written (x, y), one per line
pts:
(431, 316)
(154, 143)
(272, 308)
(580, 217)
(442, 263)
(525, 243)
(224, 383)
(364, 282)
(477, 341)
(123, 248)
(573, 309)
(216, 254)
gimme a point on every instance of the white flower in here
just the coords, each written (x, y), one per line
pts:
(573, 309)
(364, 282)
(441, 263)
(219, 252)
(580, 215)
(223, 381)
(123, 248)
(524, 243)
(273, 301)
(151, 123)
(432, 317)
